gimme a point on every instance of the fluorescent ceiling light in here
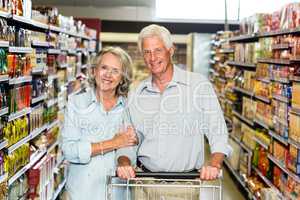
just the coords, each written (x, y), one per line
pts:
(215, 9)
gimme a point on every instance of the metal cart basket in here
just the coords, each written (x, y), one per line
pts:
(163, 186)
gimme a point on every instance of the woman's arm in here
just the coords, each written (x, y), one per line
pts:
(123, 139)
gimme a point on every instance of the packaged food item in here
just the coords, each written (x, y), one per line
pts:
(249, 80)
(292, 188)
(264, 113)
(249, 108)
(294, 127)
(296, 95)
(280, 152)
(248, 136)
(293, 159)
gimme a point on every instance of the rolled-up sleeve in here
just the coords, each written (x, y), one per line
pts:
(75, 148)
(215, 126)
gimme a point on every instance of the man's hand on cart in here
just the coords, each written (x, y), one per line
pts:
(124, 169)
(209, 173)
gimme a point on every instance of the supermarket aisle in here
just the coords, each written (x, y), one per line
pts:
(230, 189)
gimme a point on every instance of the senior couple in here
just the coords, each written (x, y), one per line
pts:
(161, 123)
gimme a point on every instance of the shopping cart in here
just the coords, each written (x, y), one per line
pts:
(163, 186)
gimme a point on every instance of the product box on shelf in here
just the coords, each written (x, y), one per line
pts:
(294, 127)
(248, 136)
(293, 159)
(15, 130)
(234, 158)
(249, 80)
(263, 71)
(292, 188)
(264, 113)
(236, 128)
(18, 189)
(262, 89)
(296, 95)
(280, 152)
(249, 108)
(265, 50)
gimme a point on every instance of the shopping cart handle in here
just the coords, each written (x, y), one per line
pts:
(172, 175)
(168, 175)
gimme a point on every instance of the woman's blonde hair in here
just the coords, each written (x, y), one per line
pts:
(126, 62)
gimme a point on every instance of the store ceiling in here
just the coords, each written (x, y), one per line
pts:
(97, 3)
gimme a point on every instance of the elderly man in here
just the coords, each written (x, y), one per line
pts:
(171, 112)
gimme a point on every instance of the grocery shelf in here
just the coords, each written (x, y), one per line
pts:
(3, 178)
(274, 61)
(244, 91)
(3, 144)
(18, 114)
(38, 131)
(281, 80)
(265, 80)
(294, 143)
(278, 137)
(241, 64)
(52, 77)
(295, 111)
(295, 78)
(4, 78)
(40, 43)
(20, 49)
(283, 167)
(72, 52)
(51, 102)
(4, 14)
(241, 144)
(265, 146)
(264, 99)
(212, 61)
(227, 51)
(85, 66)
(245, 38)
(54, 51)
(261, 123)
(281, 98)
(38, 70)
(39, 98)
(63, 66)
(22, 79)
(228, 119)
(39, 24)
(281, 46)
(59, 189)
(280, 32)
(235, 173)
(4, 44)
(52, 146)
(33, 159)
(55, 28)
(53, 124)
(3, 111)
(244, 119)
(268, 182)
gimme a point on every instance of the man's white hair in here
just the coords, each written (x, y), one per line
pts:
(155, 30)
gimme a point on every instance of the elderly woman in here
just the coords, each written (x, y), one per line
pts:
(93, 127)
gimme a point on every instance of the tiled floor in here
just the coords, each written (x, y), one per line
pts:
(230, 189)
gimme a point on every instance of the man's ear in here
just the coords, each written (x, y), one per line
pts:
(172, 50)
